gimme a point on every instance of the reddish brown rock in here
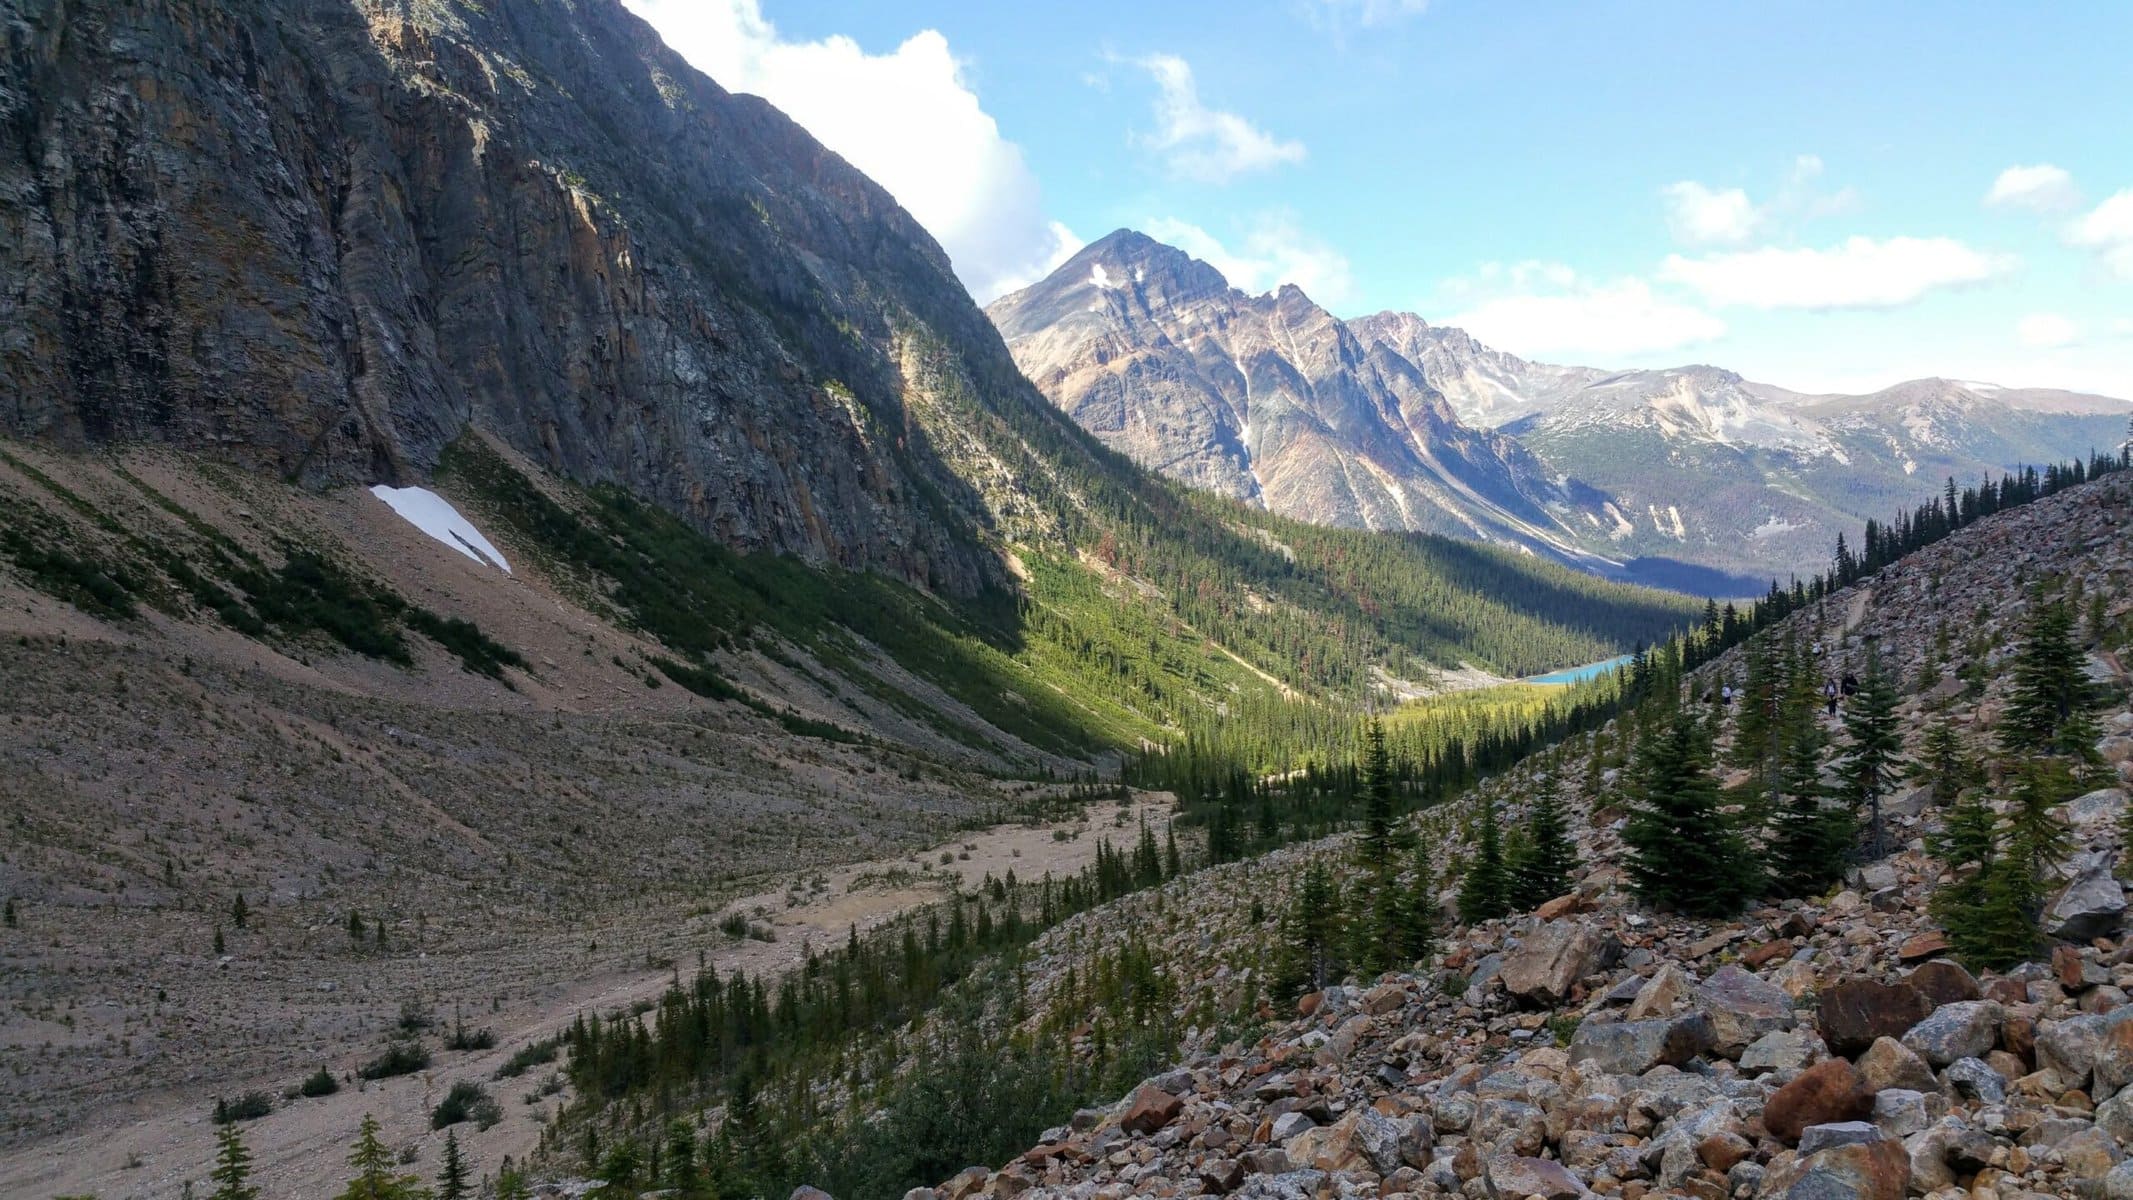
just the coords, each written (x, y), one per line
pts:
(1721, 1150)
(1150, 1110)
(1767, 953)
(1943, 982)
(1561, 906)
(1926, 945)
(1309, 1004)
(1856, 1011)
(2066, 964)
(1878, 1170)
(1826, 1093)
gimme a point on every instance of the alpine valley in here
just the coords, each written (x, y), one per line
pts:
(548, 646)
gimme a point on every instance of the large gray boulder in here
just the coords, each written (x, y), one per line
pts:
(1967, 1030)
(1742, 1008)
(1634, 1047)
(2093, 904)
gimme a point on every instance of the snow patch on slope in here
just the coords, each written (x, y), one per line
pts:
(435, 516)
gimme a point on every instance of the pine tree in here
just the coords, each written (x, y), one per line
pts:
(1810, 841)
(1944, 766)
(1485, 893)
(1685, 853)
(1377, 799)
(1311, 932)
(1543, 871)
(233, 1167)
(1420, 910)
(1873, 759)
(239, 913)
(452, 1179)
(2048, 710)
(375, 1178)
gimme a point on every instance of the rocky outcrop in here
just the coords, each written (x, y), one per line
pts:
(324, 238)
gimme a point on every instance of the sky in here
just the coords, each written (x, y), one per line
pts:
(1829, 197)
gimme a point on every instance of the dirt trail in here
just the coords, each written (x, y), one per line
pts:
(166, 1139)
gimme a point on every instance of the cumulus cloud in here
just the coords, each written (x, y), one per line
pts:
(2108, 230)
(1553, 310)
(1273, 251)
(1204, 143)
(2041, 188)
(1860, 272)
(2043, 331)
(1701, 216)
(908, 118)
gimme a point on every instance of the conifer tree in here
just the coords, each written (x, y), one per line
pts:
(1543, 870)
(2048, 710)
(452, 1178)
(1311, 932)
(1685, 853)
(1810, 841)
(1874, 753)
(1420, 911)
(1945, 767)
(375, 1178)
(233, 1167)
(1377, 798)
(1485, 893)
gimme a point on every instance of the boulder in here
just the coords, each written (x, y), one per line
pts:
(2118, 1185)
(1817, 1138)
(2092, 906)
(1889, 1063)
(1974, 1079)
(1854, 1012)
(1742, 1008)
(2069, 1048)
(1901, 1112)
(1874, 1170)
(1667, 987)
(2114, 1054)
(1516, 1178)
(1944, 982)
(1782, 1050)
(2089, 1154)
(1967, 1030)
(1634, 1047)
(1824, 1094)
(1149, 1109)
(1551, 960)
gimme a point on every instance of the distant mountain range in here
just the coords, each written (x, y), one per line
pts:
(1689, 477)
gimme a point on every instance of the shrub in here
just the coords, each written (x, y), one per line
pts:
(470, 1039)
(467, 1101)
(249, 1107)
(527, 1058)
(400, 1058)
(321, 1083)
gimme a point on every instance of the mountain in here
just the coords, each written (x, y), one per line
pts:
(1273, 400)
(1747, 478)
(1689, 477)
(717, 546)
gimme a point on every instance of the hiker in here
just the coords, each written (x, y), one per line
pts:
(1851, 685)
(1829, 695)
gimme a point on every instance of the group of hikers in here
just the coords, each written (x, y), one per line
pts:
(1834, 689)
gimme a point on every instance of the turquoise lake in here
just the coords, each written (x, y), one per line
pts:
(1576, 674)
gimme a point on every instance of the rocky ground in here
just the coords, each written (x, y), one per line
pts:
(1811, 1050)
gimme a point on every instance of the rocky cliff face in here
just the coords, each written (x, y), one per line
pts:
(325, 237)
(1273, 399)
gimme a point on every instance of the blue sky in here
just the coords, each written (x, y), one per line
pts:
(1824, 196)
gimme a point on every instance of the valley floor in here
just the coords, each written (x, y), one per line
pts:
(337, 1009)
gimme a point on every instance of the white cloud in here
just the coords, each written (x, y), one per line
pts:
(1861, 272)
(1273, 251)
(1204, 143)
(1702, 216)
(2108, 230)
(1365, 13)
(908, 118)
(2043, 331)
(2041, 188)
(1607, 320)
